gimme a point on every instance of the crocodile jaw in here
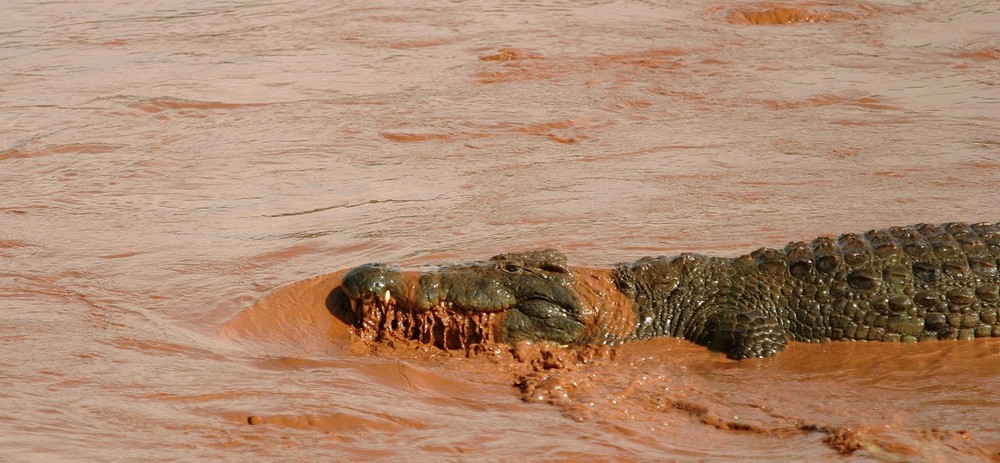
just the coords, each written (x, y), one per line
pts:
(440, 325)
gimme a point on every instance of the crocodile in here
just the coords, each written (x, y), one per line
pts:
(904, 284)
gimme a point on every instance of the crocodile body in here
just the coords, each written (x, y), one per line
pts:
(908, 284)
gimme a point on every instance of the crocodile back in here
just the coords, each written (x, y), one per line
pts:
(898, 284)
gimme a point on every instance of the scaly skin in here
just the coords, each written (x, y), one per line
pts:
(899, 284)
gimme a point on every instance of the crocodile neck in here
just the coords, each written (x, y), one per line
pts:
(674, 296)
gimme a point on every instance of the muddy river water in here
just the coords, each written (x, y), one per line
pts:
(181, 182)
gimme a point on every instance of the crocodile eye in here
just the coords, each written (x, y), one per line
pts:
(511, 268)
(553, 268)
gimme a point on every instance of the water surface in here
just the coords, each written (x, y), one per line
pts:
(167, 167)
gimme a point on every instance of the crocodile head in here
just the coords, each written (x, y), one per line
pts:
(509, 298)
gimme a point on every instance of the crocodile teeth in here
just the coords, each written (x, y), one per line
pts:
(440, 326)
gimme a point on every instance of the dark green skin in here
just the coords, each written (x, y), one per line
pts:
(533, 289)
(899, 284)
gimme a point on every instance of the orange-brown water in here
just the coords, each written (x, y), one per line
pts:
(178, 180)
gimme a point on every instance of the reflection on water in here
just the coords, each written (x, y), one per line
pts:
(165, 166)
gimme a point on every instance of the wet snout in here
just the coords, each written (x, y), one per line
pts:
(391, 304)
(372, 282)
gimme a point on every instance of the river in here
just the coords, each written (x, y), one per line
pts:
(182, 183)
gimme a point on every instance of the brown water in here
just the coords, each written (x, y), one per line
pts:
(166, 166)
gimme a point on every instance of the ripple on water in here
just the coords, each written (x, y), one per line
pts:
(774, 13)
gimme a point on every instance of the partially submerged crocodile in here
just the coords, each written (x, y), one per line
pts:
(907, 284)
